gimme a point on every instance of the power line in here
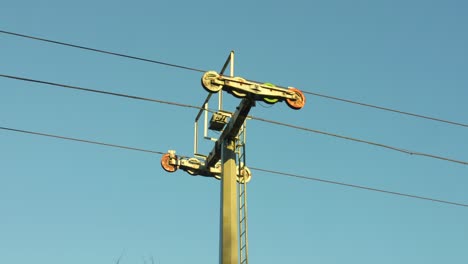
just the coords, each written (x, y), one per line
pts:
(410, 152)
(252, 117)
(98, 91)
(201, 70)
(102, 51)
(357, 186)
(80, 140)
(386, 109)
(253, 168)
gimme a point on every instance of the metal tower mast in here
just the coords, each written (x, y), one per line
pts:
(221, 162)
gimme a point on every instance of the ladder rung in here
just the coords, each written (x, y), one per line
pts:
(242, 233)
(242, 206)
(242, 247)
(242, 220)
(245, 260)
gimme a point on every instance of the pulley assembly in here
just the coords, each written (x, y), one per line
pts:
(240, 87)
(170, 162)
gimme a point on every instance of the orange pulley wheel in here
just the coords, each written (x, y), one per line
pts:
(300, 100)
(165, 163)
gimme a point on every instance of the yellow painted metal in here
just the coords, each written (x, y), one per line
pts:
(229, 247)
(243, 224)
(243, 178)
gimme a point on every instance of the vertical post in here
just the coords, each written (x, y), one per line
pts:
(229, 238)
(230, 60)
(232, 63)
(205, 124)
(195, 139)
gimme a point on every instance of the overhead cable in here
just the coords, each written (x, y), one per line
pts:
(80, 140)
(253, 168)
(102, 51)
(357, 186)
(98, 91)
(410, 152)
(201, 70)
(386, 109)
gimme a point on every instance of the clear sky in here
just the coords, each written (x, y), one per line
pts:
(69, 202)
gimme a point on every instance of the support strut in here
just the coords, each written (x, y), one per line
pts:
(240, 87)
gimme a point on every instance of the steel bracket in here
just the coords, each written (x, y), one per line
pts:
(240, 87)
(170, 162)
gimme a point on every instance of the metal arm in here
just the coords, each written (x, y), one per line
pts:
(195, 167)
(240, 87)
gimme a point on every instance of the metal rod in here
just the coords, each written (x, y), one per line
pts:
(205, 127)
(231, 56)
(220, 100)
(195, 138)
(229, 60)
(201, 110)
(246, 222)
(244, 142)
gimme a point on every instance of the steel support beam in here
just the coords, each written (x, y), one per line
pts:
(231, 130)
(224, 149)
(229, 238)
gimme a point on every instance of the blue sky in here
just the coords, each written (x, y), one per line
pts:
(68, 202)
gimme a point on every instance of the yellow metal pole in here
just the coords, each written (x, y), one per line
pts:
(229, 248)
